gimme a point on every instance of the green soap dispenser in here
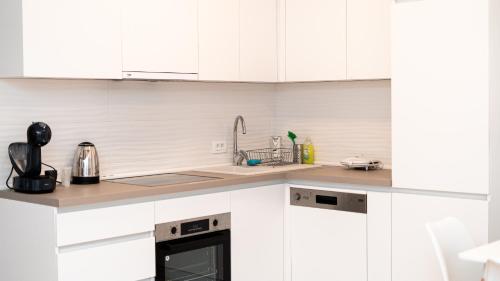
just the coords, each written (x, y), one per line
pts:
(308, 152)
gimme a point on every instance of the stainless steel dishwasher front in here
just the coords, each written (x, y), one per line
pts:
(328, 235)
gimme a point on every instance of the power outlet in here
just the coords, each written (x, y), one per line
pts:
(219, 147)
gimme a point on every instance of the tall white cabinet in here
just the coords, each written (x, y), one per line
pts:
(413, 256)
(441, 95)
(445, 128)
(60, 39)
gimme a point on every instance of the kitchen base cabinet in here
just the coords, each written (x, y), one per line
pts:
(257, 231)
(44, 244)
(412, 252)
(379, 236)
(123, 261)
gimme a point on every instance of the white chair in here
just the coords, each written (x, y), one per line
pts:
(449, 238)
(492, 271)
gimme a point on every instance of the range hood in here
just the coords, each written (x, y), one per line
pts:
(143, 75)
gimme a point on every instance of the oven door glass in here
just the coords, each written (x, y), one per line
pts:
(198, 258)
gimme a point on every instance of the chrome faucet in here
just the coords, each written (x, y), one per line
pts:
(237, 161)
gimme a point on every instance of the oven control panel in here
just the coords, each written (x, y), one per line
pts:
(185, 228)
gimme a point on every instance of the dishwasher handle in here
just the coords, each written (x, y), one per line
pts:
(331, 200)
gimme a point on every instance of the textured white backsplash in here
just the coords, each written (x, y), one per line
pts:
(343, 119)
(138, 127)
(143, 127)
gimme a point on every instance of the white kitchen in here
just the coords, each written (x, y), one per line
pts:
(270, 140)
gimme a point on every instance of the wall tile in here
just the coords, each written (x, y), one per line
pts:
(144, 127)
(344, 119)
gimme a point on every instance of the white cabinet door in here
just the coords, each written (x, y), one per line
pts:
(257, 233)
(219, 40)
(327, 245)
(160, 36)
(258, 41)
(379, 236)
(183, 208)
(368, 39)
(440, 95)
(71, 38)
(315, 40)
(123, 261)
(104, 223)
(412, 252)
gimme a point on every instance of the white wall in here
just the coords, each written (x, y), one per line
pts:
(343, 119)
(143, 127)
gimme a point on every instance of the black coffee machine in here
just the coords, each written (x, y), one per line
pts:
(26, 159)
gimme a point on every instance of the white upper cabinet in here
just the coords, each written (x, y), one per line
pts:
(315, 40)
(209, 40)
(258, 41)
(219, 40)
(60, 39)
(440, 95)
(160, 37)
(368, 39)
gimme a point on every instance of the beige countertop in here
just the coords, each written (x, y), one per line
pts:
(108, 191)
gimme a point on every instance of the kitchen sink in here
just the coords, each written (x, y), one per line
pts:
(254, 170)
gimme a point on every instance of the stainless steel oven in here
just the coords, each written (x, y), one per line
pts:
(194, 250)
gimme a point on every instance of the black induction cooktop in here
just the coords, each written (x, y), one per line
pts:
(163, 179)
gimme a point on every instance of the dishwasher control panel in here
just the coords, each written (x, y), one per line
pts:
(331, 200)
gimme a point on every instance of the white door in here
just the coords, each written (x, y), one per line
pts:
(440, 95)
(327, 245)
(315, 40)
(412, 252)
(257, 223)
(258, 40)
(160, 36)
(72, 39)
(379, 236)
(219, 40)
(368, 39)
(122, 261)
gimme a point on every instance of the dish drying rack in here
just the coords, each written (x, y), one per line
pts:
(272, 156)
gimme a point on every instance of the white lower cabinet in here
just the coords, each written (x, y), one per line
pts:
(257, 231)
(379, 236)
(412, 252)
(122, 261)
(104, 223)
(112, 243)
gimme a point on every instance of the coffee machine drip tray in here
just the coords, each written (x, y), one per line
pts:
(163, 179)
